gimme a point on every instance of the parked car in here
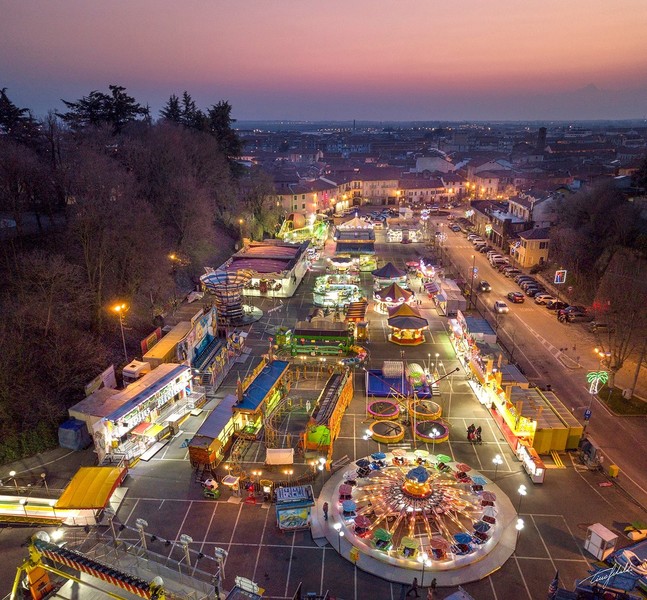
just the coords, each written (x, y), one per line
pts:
(522, 277)
(455, 228)
(533, 291)
(511, 273)
(484, 286)
(501, 307)
(544, 298)
(556, 305)
(574, 314)
(516, 297)
(502, 265)
(484, 249)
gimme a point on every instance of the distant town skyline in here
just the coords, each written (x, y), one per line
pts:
(396, 60)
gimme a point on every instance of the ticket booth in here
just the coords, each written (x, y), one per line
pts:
(294, 507)
(600, 541)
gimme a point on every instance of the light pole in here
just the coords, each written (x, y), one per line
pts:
(522, 492)
(519, 526)
(43, 476)
(340, 534)
(434, 434)
(423, 559)
(120, 309)
(497, 460)
(12, 474)
(436, 363)
(429, 362)
(472, 279)
(23, 503)
(240, 226)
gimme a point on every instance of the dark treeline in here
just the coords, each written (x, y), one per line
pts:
(93, 203)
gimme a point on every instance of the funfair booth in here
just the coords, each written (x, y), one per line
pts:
(131, 422)
(276, 267)
(355, 237)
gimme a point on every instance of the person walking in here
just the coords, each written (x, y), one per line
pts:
(325, 511)
(478, 431)
(470, 432)
(413, 588)
(431, 593)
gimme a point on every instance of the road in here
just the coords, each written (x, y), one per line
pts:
(559, 355)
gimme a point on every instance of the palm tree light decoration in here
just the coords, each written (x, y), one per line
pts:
(596, 380)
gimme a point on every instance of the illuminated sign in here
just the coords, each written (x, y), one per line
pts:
(560, 276)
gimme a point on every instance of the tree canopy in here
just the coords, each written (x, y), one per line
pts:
(116, 109)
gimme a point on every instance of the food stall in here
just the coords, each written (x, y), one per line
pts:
(532, 464)
(294, 507)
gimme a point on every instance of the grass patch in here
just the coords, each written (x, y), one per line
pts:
(620, 405)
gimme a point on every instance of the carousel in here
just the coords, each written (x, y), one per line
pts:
(390, 297)
(387, 275)
(336, 291)
(407, 326)
(402, 505)
(227, 289)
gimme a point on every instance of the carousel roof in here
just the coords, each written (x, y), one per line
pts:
(388, 271)
(407, 322)
(394, 292)
(355, 223)
(404, 310)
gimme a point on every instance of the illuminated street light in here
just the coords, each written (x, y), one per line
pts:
(120, 309)
(12, 474)
(519, 526)
(522, 491)
(497, 460)
(340, 534)
(423, 558)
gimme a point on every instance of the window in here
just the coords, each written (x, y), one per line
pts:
(303, 205)
(543, 245)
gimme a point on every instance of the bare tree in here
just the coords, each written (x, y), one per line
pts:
(621, 301)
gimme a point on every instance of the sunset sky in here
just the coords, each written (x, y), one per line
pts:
(338, 59)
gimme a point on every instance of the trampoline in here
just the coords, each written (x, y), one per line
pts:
(384, 409)
(387, 432)
(425, 431)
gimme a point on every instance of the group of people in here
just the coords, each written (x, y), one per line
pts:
(474, 434)
(413, 589)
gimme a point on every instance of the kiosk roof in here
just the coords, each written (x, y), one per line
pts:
(91, 488)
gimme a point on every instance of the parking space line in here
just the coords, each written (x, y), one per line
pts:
(516, 560)
(186, 514)
(574, 539)
(543, 543)
(130, 514)
(260, 545)
(323, 570)
(287, 579)
(496, 597)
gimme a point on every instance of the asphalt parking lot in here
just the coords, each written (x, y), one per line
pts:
(164, 491)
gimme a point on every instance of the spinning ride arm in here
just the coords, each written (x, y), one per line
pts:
(40, 585)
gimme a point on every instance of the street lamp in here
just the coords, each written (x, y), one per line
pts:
(12, 474)
(434, 433)
(340, 534)
(423, 559)
(429, 362)
(522, 492)
(519, 526)
(23, 503)
(436, 363)
(497, 460)
(240, 225)
(120, 309)
(472, 279)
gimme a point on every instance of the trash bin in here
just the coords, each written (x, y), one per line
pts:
(614, 470)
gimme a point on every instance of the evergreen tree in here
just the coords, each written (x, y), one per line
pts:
(171, 110)
(15, 122)
(220, 126)
(116, 109)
